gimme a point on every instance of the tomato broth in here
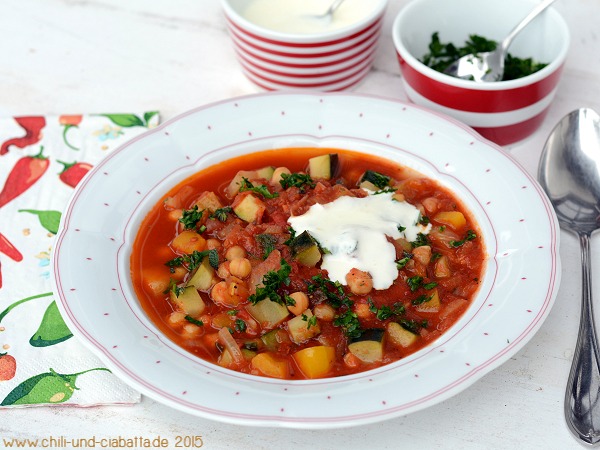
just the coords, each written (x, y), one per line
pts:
(219, 269)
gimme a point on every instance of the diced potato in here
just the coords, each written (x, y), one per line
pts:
(208, 201)
(315, 362)
(268, 313)
(189, 301)
(248, 208)
(454, 219)
(299, 329)
(202, 279)
(400, 336)
(188, 241)
(431, 305)
(441, 269)
(156, 280)
(271, 366)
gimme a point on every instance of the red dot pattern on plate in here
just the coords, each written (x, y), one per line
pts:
(529, 311)
(114, 346)
(282, 410)
(472, 143)
(88, 258)
(488, 170)
(105, 173)
(158, 362)
(468, 364)
(106, 204)
(184, 392)
(486, 334)
(283, 113)
(237, 393)
(360, 115)
(431, 133)
(209, 127)
(383, 402)
(146, 159)
(387, 135)
(416, 375)
(72, 289)
(106, 314)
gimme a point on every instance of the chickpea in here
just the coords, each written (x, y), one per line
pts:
(359, 282)
(219, 293)
(351, 361)
(176, 318)
(223, 270)
(301, 304)
(190, 329)
(276, 177)
(213, 244)
(235, 252)
(240, 267)
(324, 312)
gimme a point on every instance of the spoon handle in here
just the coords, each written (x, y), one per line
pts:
(528, 18)
(582, 399)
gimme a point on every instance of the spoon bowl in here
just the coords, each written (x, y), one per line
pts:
(569, 172)
(489, 66)
(327, 16)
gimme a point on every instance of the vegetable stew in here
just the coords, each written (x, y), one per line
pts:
(306, 263)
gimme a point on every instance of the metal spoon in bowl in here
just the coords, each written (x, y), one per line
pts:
(489, 66)
(569, 172)
(328, 15)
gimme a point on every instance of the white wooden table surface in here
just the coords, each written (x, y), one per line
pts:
(77, 56)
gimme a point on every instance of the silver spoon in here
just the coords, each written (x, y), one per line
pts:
(328, 15)
(489, 66)
(569, 172)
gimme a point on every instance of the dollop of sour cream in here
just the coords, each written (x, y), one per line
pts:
(294, 16)
(354, 232)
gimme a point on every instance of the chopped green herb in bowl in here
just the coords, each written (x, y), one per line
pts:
(441, 55)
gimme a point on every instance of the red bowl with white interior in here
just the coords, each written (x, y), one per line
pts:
(279, 46)
(503, 111)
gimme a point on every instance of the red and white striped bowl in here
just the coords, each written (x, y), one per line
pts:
(331, 61)
(503, 111)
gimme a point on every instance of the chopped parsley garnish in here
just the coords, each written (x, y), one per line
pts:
(310, 322)
(190, 218)
(441, 55)
(267, 241)
(221, 213)
(232, 312)
(423, 220)
(190, 319)
(289, 301)
(469, 237)
(335, 295)
(194, 259)
(385, 312)
(402, 262)
(435, 256)
(272, 281)
(246, 185)
(412, 325)
(401, 228)
(430, 285)
(414, 283)
(385, 190)
(174, 288)
(376, 178)
(299, 180)
(292, 236)
(421, 299)
(420, 241)
(240, 325)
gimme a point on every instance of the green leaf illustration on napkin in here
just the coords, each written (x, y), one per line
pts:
(50, 220)
(48, 387)
(131, 120)
(52, 329)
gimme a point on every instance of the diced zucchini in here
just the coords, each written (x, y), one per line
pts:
(208, 201)
(324, 166)
(399, 335)
(268, 313)
(248, 208)
(189, 301)
(236, 182)
(202, 279)
(305, 249)
(265, 172)
(374, 181)
(274, 338)
(301, 328)
(315, 362)
(369, 346)
(226, 360)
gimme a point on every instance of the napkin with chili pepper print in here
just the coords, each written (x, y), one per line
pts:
(42, 159)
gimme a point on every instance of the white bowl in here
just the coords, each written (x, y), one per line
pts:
(92, 274)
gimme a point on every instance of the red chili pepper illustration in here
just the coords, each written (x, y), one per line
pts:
(8, 367)
(9, 250)
(23, 175)
(74, 172)
(69, 122)
(33, 133)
